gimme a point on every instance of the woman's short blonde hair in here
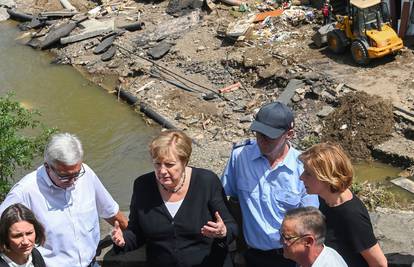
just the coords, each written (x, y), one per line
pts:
(171, 142)
(329, 163)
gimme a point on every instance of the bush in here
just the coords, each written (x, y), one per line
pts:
(22, 138)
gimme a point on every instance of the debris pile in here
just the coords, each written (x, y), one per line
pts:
(356, 123)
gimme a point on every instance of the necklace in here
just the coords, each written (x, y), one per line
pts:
(175, 190)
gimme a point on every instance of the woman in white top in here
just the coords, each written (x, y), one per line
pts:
(19, 233)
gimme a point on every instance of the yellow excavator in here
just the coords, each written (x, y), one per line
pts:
(366, 29)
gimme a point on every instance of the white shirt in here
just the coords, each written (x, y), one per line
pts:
(329, 258)
(70, 216)
(29, 262)
(173, 207)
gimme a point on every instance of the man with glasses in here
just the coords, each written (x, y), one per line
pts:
(68, 198)
(263, 175)
(302, 235)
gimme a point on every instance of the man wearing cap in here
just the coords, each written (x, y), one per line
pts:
(263, 174)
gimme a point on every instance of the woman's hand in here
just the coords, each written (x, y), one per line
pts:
(215, 229)
(117, 235)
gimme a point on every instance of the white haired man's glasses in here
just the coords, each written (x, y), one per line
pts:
(63, 178)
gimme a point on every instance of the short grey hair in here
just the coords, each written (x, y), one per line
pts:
(64, 148)
(309, 220)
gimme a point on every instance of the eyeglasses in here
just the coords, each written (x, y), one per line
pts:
(76, 175)
(290, 240)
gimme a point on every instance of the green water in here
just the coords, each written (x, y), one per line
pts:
(115, 138)
(377, 172)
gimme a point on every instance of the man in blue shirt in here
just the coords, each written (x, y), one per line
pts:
(263, 174)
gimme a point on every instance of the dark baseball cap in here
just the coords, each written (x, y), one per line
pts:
(273, 119)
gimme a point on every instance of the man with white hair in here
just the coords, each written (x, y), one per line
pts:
(302, 236)
(68, 198)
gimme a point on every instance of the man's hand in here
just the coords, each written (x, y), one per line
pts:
(117, 235)
(215, 229)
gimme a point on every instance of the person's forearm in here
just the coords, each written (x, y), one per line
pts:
(120, 217)
(374, 256)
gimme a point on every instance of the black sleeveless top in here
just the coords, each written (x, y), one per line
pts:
(37, 260)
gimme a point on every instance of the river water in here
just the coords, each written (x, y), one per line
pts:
(114, 137)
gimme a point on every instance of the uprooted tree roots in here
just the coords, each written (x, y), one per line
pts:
(360, 122)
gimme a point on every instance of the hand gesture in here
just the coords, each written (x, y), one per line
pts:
(215, 229)
(117, 235)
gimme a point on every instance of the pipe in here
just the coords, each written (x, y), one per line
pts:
(147, 110)
(127, 97)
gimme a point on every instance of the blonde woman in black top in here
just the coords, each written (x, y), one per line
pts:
(178, 211)
(328, 172)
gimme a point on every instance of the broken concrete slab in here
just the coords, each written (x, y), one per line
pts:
(397, 151)
(94, 25)
(171, 27)
(3, 14)
(319, 38)
(405, 183)
(83, 36)
(159, 50)
(289, 91)
(390, 237)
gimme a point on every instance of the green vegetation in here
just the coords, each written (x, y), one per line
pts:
(22, 138)
(377, 195)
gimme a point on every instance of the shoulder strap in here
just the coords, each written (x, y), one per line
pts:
(242, 143)
(37, 258)
(3, 263)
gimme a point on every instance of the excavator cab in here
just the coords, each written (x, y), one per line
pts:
(366, 29)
